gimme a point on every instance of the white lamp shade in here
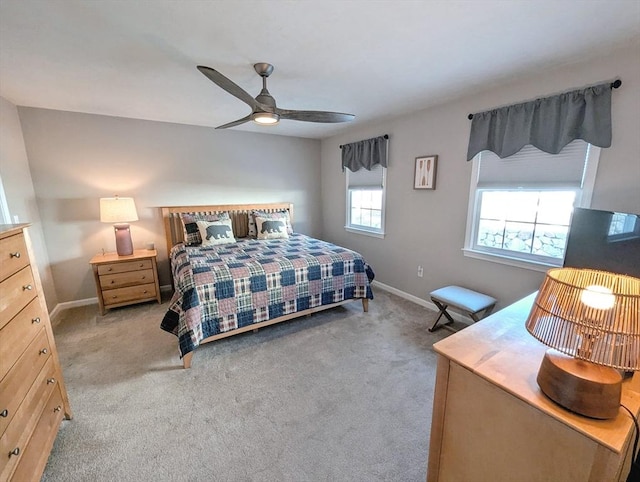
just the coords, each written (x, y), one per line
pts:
(117, 210)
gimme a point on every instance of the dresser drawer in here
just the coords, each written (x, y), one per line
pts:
(15, 293)
(13, 255)
(113, 268)
(16, 384)
(34, 458)
(18, 333)
(130, 293)
(15, 439)
(130, 278)
(16, 436)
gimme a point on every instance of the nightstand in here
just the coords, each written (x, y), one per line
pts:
(126, 280)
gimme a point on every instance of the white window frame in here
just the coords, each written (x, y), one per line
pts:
(511, 258)
(359, 229)
(5, 215)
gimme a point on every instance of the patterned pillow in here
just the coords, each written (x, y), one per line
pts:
(191, 232)
(214, 233)
(277, 215)
(271, 227)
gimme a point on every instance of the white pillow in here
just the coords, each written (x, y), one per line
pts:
(272, 228)
(214, 233)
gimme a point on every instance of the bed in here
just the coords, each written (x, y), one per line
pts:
(245, 283)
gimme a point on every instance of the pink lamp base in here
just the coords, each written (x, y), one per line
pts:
(124, 245)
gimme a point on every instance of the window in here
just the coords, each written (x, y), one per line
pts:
(5, 217)
(365, 200)
(520, 207)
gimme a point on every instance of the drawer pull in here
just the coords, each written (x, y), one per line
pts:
(141, 265)
(145, 292)
(15, 255)
(50, 380)
(114, 297)
(113, 281)
(4, 413)
(15, 451)
(36, 320)
(44, 351)
(57, 409)
(27, 288)
(110, 269)
(144, 277)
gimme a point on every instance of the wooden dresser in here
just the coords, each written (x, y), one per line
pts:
(126, 280)
(492, 423)
(33, 397)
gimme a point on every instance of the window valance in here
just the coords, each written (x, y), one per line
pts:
(366, 153)
(548, 123)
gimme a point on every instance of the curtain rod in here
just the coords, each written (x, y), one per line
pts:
(614, 85)
(386, 136)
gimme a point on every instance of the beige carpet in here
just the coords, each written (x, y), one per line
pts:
(339, 396)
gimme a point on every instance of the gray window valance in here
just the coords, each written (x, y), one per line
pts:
(548, 123)
(366, 153)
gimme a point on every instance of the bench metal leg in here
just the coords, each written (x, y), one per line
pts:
(486, 312)
(443, 311)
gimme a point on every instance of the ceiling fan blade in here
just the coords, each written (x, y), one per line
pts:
(226, 84)
(235, 123)
(314, 116)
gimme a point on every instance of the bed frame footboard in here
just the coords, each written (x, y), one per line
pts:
(186, 359)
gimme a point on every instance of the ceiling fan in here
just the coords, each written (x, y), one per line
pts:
(263, 108)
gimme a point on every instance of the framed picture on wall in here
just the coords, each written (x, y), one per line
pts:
(425, 172)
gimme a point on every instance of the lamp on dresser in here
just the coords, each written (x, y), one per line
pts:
(120, 211)
(591, 321)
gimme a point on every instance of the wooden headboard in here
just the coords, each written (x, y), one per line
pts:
(239, 214)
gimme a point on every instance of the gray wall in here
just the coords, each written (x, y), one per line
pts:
(77, 158)
(427, 227)
(19, 191)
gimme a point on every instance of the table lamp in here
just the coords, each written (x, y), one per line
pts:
(120, 211)
(591, 321)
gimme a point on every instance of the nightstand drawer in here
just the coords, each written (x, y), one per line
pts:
(18, 381)
(130, 293)
(15, 293)
(113, 268)
(13, 255)
(130, 278)
(18, 333)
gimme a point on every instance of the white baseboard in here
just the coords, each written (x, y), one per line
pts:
(376, 284)
(66, 305)
(419, 301)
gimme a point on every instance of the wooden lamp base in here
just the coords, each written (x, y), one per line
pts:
(580, 386)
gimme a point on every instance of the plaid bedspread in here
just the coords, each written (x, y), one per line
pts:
(226, 287)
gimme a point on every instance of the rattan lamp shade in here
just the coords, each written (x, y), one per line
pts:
(593, 316)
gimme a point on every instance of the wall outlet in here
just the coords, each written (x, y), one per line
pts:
(420, 272)
(16, 219)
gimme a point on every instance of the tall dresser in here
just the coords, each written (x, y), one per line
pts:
(33, 397)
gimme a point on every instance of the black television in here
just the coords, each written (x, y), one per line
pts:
(604, 240)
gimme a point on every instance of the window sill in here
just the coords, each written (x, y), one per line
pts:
(518, 263)
(364, 232)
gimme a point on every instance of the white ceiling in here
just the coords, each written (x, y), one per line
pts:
(374, 59)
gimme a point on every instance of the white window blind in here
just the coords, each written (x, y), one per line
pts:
(363, 179)
(532, 167)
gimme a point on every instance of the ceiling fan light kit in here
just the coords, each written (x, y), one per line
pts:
(265, 118)
(263, 107)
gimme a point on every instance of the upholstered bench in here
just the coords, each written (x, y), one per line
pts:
(468, 301)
